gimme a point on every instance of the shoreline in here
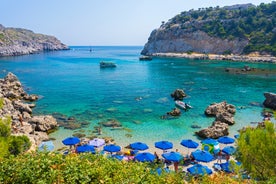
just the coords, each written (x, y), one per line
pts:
(254, 58)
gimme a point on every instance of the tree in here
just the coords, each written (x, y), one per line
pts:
(256, 151)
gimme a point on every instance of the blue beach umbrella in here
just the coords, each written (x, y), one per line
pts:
(209, 141)
(46, 145)
(164, 145)
(172, 156)
(112, 148)
(138, 146)
(199, 169)
(96, 142)
(85, 148)
(226, 167)
(144, 157)
(71, 141)
(118, 157)
(237, 136)
(229, 150)
(202, 156)
(189, 143)
(226, 140)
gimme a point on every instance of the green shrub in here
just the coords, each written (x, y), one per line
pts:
(4, 147)
(1, 103)
(18, 144)
(84, 168)
(256, 151)
(5, 127)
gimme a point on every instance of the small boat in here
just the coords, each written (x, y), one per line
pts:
(182, 105)
(104, 64)
(145, 58)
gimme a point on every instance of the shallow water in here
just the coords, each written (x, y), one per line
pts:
(72, 83)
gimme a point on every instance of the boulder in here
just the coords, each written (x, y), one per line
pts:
(10, 78)
(11, 87)
(178, 94)
(225, 117)
(219, 108)
(112, 123)
(22, 107)
(224, 114)
(43, 123)
(270, 100)
(30, 98)
(174, 112)
(218, 129)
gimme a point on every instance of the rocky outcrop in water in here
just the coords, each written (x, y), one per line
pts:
(218, 129)
(16, 41)
(224, 114)
(270, 100)
(178, 94)
(23, 122)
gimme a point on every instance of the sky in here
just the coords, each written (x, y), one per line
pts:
(100, 22)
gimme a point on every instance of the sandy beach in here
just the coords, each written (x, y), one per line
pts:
(254, 57)
(184, 151)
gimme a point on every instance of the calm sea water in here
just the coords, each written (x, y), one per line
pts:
(72, 83)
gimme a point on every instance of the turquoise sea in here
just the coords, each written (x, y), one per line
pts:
(72, 83)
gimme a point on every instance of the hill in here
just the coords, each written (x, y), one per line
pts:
(17, 41)
(237, 29)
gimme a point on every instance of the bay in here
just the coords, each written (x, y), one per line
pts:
(137, 93)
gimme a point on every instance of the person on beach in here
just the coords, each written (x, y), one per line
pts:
(219, 156)
(20, 119)
(227, 157)
(156, 157)
(100, 131)
(175, 164)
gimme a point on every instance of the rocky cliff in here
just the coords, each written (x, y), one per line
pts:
(177, 40)
(237, 29)
(16, 41)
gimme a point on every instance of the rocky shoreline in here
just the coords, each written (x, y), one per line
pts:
(17, 105)
(241, 58)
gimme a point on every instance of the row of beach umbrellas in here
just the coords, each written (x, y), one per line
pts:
(199, 155)
(163, 145)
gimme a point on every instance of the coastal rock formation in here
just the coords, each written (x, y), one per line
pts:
(16, 41)
(219, 108)
(12, 96)
(224, 114)
(178, 94)
(218, 129)
(175, 112)
(178, 40)
(43, 123)
(270, 100)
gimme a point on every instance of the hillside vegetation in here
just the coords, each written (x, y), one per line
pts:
(253, 27)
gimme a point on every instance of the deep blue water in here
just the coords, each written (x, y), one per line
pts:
(72, 83)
